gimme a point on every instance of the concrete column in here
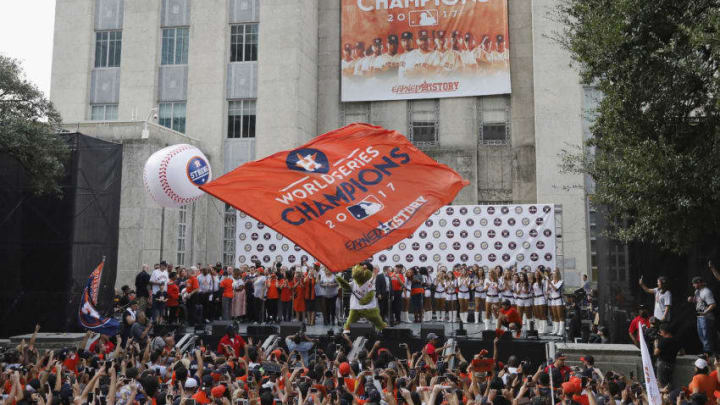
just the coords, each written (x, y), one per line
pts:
(207, 112)
(287, 75)
(457, 123)
(328, 109)
(558, 123)
(522, 109)
(141, 45)
(390, 115)
(69, 89)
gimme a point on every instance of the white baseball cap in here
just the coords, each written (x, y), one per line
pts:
(190, 383)
(701, 363)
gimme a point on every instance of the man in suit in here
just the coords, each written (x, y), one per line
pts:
(382, 291)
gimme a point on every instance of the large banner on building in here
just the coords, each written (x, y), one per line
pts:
(487, 235)
(409, 49)
(344, 195)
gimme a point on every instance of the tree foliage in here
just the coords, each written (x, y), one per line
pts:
(28, 129)
(654, 152)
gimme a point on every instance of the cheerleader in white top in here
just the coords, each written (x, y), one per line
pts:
(478, 286)
(539, 301)
(451, 296)
(557, 306)
(406, 297)
(492, 293)
(525, 300)
(427, 299)
(439, 296)
(506, 287)
(463, 294)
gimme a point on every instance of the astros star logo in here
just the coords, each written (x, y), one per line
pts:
(308, 162)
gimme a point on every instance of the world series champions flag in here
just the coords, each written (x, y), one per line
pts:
(88, 314)
(343, 196)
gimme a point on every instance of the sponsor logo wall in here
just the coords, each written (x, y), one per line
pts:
(488, 235)
(407, 49)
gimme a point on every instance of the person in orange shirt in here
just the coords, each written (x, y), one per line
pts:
(286, 295)
(173, 302)
(702, 381)
(192, 289)
(298, 287)
(226, 286)
(509, 318)
(272, 297)
(310, 281)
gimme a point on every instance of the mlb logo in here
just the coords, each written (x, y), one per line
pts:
(423, 18)
(365, 208)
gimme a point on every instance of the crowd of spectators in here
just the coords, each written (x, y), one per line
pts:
(151, 370)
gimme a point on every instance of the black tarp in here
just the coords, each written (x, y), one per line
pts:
(49, 245)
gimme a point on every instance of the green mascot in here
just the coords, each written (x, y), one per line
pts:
(362, 300)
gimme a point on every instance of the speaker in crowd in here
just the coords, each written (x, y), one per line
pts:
(290, 328)
(436, 328)
(219, 327)
(261, 330)
(402, 334)
(361, 329)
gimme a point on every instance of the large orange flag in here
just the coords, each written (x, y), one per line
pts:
(344, 195)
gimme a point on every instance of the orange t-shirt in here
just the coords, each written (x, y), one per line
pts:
(512, 315)
(272, 292)
(286, 293)
(227, 287)
(192, 284)
(201, 397)
(704, 383)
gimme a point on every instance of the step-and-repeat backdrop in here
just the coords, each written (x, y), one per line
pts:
(487, 235)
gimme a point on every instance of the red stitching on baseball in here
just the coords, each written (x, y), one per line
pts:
(163, 176)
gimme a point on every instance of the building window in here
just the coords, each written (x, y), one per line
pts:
(355, 112)
(423, 121)
(175, 46)
(107, 48)
(182, 232)
(172, 115)
(104, 112)
(229, 235)
(494, 119)
(243, 42)
(241, 119)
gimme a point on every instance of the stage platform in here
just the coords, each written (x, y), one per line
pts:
(473, 331)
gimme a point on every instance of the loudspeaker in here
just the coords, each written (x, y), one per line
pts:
(219, 327)
(436, 328)
(361, 329)
(290, 328)
(261, 330)
(395, 333)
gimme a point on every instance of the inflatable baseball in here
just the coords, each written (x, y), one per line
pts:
(172, 175)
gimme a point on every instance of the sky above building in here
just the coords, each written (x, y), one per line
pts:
(26, 33)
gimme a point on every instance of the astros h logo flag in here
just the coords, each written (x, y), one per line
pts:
(343, 196)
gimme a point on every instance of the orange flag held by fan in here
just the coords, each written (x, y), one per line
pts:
(343, 196)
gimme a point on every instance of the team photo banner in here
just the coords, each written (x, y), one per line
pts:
(343, 196)
(411, 49)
